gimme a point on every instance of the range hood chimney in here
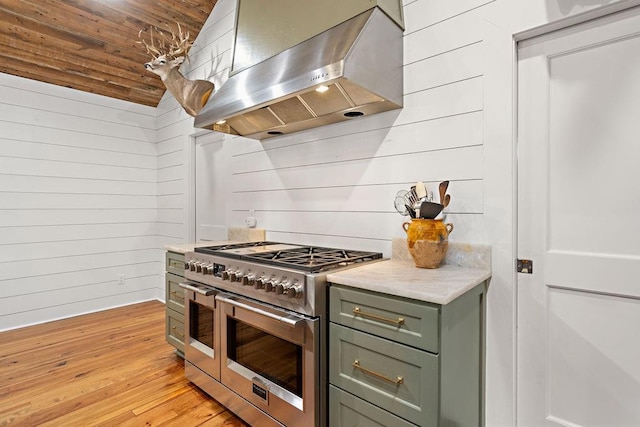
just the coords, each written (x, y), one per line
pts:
(358, 64)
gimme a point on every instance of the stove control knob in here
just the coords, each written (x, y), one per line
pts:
(198, 267)
(207, 269)
(225, 275)
(233, 276)
(192, 265)
(282, 287)
(295, 291)
(248, 280)
(260, 282)
(271, 286)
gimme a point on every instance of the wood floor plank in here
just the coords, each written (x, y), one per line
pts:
(112, 368)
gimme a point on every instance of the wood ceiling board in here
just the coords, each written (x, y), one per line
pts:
(90, 45)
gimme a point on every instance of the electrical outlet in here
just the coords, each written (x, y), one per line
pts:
(120, 279)
(251, 220)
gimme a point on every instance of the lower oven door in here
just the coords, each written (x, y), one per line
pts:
(202, 333)
(271, 357)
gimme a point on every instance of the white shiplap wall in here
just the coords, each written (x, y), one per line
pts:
(77, 203)
(335, 185)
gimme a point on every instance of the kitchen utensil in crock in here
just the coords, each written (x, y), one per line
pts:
(443, 190)
(412, 196)
(430, 210)
(421, 191)
(406, 202)
(400, 203)
(411, 211)
(447, 200)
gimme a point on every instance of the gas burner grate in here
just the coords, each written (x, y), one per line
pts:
(216, 248)
(313, 259)
(310, 259)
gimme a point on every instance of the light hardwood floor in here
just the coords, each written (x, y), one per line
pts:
(111, 368)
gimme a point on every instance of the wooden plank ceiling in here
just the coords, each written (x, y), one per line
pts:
(90, 45)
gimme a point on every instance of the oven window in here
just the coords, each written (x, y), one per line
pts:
(271, 357)
(201, 323)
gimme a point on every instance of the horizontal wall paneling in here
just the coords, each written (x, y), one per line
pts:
(466, 198)
(78, 203)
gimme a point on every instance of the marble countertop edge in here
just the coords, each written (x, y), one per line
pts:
(401, 278)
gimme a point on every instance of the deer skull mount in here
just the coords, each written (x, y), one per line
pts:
(168, 54)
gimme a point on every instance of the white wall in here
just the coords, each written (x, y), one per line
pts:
(77, 203)
(336, 185)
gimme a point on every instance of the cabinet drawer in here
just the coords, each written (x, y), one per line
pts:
(175, 263)
(397, 378)
(174, 293)
(408, 322)
(346, 410)
(175, 329)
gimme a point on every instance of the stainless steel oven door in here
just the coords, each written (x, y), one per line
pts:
(271, 358)
(202, 333)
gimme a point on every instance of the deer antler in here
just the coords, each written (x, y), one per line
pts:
(151, 49)
(178, 44)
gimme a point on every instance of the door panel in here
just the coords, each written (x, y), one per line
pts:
(592, 373)
(578, 207)
(594, 150)
(211, 195)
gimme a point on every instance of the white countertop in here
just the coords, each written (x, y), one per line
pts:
(402, 278)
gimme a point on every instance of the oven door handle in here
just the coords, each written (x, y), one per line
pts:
(201, 291)
(289, 319)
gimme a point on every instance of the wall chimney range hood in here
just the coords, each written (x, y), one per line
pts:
(352, 69)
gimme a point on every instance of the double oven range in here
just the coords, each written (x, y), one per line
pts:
(255, 315)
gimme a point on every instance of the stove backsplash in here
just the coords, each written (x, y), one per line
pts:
(458, 254)
(243, 234)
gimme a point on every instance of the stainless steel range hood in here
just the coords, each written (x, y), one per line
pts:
(359, 63)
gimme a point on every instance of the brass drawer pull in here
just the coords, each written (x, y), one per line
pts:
(398, 322)
(398, 380)
(175, 332)
(176, 264)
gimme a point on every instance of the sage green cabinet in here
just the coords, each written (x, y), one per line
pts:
(175, 263)
(402, 362)
(348, 410)
(174, 297)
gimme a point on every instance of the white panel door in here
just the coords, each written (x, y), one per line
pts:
(211, 191)
(578, 339)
